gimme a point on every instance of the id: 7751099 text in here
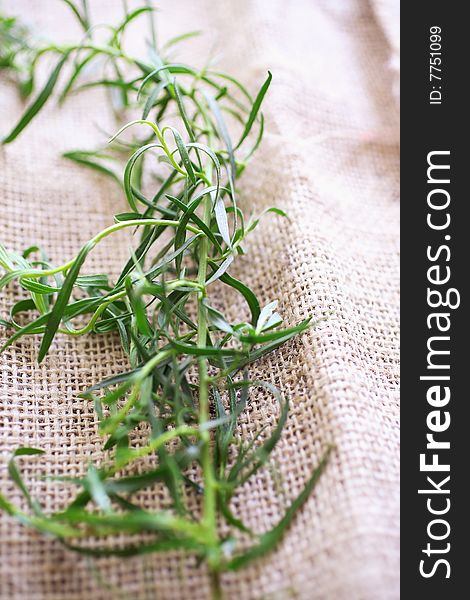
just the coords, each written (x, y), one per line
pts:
(435, 62)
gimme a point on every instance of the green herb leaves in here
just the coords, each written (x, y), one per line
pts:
(188, 384)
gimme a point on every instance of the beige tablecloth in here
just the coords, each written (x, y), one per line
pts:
(330, 158)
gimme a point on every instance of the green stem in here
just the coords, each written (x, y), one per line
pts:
(209, 502)
(91, 323)
(99, 236)
(160, 136)
(216, 587)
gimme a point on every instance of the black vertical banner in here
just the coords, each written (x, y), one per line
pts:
(435, 414)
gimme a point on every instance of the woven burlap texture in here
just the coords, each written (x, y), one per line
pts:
(330, 159)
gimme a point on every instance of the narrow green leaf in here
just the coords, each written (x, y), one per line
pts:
(128, 172)
(57, 312)
(270, 539)
(222, 221)
(16, 476)
(224, 134)
(217, 319)
(82, 19)
(247, 293)
(180, 38)
(276, 335)
(152, 98)
(183, 113)
(183, 153)
(86, 159)
(98, 281)
(220, 270)
(38, 103)
(255, 109)
(97, 489)
(38, 288)
(138, 308)
(131, 16)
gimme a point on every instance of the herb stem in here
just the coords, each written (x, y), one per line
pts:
(91, 323)
(209, 503)
(216, 587)
(100, 236)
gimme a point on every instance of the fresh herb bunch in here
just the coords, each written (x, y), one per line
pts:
(189, 381)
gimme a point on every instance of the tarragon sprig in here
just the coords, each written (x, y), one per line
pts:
(189, 378)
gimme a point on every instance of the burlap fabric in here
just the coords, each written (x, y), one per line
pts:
(330, 159)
